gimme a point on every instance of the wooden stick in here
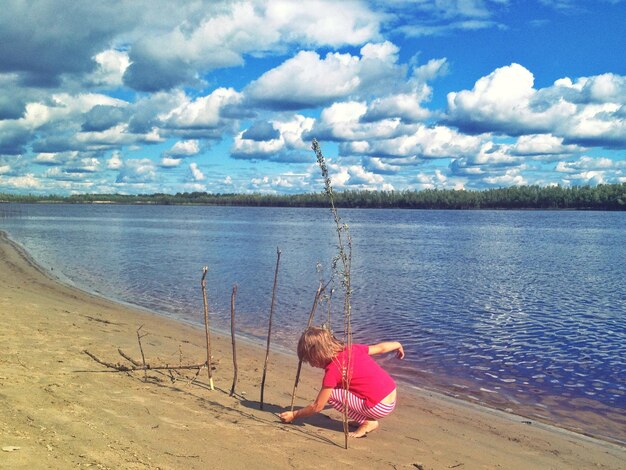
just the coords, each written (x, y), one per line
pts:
(320, 289)
(146, 367)
(143, 358)
(232, 335)
(128, 358)
(206, 327)
(269, 330)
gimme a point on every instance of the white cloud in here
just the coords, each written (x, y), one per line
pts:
(184, 148)
(255, 148)
(603, 88)
(202, 112)
(50, 158)
(118, 135)
(423, 142)
(493, 164)
(378, 165)
(586, 164)
(289, 138)
(115, 162)
(432, 69)
(196, 174)
(137, 171)
(27, 181)
(282, 183)
(71, 163)
(405, 106)
(324, 22)
(491, 154)
(354, 177)
(164, 59)
(307, 80)
(111, 67)
(587, 112)
(500, 99)
(343, 122)
(436, 180)
(511, 177)
(542, 145)
(168, 162)
(86, 165)
(64, 107)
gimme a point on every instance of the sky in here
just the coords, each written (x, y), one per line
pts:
(165, 96)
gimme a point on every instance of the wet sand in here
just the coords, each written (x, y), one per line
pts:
(61, 409)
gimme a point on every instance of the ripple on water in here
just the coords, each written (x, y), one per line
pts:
(530, 302)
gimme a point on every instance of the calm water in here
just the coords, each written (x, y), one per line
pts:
(518, 310)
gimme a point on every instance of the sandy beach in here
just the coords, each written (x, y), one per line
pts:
(61, 409)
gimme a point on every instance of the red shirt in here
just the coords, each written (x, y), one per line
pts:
(368, 380)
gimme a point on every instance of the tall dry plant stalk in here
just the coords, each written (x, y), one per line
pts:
(341, 266)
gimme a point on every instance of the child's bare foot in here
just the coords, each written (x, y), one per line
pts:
(366, 427)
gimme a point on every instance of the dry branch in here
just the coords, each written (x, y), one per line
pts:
(128, 358)
(124, 368)
(232, 334)
(320, 289)
(206, 327)
(269, 329)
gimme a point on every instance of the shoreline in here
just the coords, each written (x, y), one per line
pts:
(199, 204)
(63, 417)
(553, 413)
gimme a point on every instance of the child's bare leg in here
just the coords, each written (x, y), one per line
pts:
(366, 427)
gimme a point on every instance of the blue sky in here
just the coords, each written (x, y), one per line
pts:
(174, 96)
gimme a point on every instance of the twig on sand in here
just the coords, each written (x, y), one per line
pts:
(269, 329)
(128, 358)
(206, 327)
(145, 367)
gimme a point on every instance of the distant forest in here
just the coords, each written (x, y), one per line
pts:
(600, 197)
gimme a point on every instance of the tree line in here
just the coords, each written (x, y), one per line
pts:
(600, 197)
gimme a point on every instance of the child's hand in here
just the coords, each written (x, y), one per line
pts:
(400, 352)
(287, 416)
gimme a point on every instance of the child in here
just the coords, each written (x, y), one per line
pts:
(371, 393)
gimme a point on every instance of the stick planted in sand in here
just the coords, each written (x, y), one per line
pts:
(232, 335)
(206, 327)
(269, 330)
(320, 289)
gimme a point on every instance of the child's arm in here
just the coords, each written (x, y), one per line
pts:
(315, 407)
(387, 346)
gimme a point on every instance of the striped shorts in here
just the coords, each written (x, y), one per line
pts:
(357, 409)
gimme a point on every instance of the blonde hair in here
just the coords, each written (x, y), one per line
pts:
(318, 346)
